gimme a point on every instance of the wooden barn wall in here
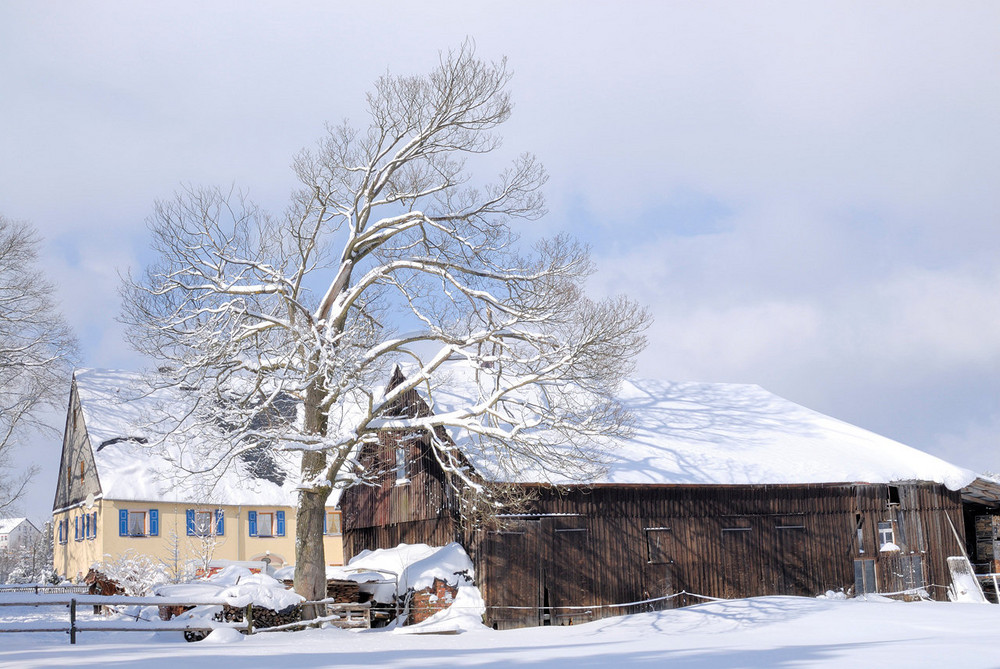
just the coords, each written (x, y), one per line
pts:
(620, 544)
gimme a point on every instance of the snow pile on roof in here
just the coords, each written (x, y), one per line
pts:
(239, 587)
(726, 434)
(123, 419)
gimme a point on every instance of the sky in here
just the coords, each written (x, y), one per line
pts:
(803, 194)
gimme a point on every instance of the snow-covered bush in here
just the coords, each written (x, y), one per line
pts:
(137, 574)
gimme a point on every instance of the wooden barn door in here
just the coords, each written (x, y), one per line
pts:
(512, 560)
(741, 576)
(567, 575)
(791, 568)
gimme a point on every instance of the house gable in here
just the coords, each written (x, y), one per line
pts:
(78, 476)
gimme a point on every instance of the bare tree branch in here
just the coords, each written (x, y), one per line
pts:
(388, 232)
(36, 347)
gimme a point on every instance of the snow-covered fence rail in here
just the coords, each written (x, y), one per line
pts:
(44, 589)
(343, 615)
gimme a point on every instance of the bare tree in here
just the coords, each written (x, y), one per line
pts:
(36, 347)
(388, 252)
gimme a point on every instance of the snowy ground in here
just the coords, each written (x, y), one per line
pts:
(759, 632)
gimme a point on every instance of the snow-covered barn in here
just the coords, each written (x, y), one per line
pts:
(114, 494)
(723, 490)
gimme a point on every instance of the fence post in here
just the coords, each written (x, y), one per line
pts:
(72, 620)
(249, 617)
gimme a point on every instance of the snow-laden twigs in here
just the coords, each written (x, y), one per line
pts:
(391, 231)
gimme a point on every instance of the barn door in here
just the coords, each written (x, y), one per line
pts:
(790, 564)
(741, 575)
(513, 564)
(568, 572)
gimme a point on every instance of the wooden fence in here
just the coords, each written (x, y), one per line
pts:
(335, 613)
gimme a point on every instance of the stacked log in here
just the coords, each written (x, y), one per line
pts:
(262, 617)
(346, 592)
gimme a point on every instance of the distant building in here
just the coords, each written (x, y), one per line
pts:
(723, 490)
(15, 532)
(114, 494)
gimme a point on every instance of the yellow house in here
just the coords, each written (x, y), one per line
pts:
(118, 492)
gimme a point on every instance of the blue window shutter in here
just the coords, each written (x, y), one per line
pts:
(86, 526)
(252, 517)
(154, 523)
(123, 522)
(60, 531)
(280, 515)
(325, 514)
(76, 528)
(190, 522)
(220, 523)
(95, 524)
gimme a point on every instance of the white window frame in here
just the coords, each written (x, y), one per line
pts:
(886, 533)
(270, 524)
(145, 522)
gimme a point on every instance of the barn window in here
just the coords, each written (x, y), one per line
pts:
(659, 544)
(791, 523)
(864, 577)
(894, 495)
(885, 533)
(911, 571)
(736, 525)
(859, 525)
(402, 462)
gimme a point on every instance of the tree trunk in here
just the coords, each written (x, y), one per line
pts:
(310, 561)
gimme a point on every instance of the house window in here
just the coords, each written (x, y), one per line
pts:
(138, 523)
(63, 531)
(266, 523)
(202, 522)
(81, 471)
(331, 523)
(205, 522)
(93, 526)
(659, 542)
(885, 533)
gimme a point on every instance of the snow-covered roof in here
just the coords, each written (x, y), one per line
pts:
(7, 525)
(730, 434)
(121, 414)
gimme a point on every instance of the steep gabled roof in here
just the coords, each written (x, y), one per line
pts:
(123, 420)
(727, 434)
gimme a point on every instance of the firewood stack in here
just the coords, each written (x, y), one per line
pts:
(262, 617)
(346, 592)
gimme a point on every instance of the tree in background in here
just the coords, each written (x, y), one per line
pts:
(388, 252)
(36, 347)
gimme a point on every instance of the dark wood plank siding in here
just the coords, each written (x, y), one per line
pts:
(589, 546)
